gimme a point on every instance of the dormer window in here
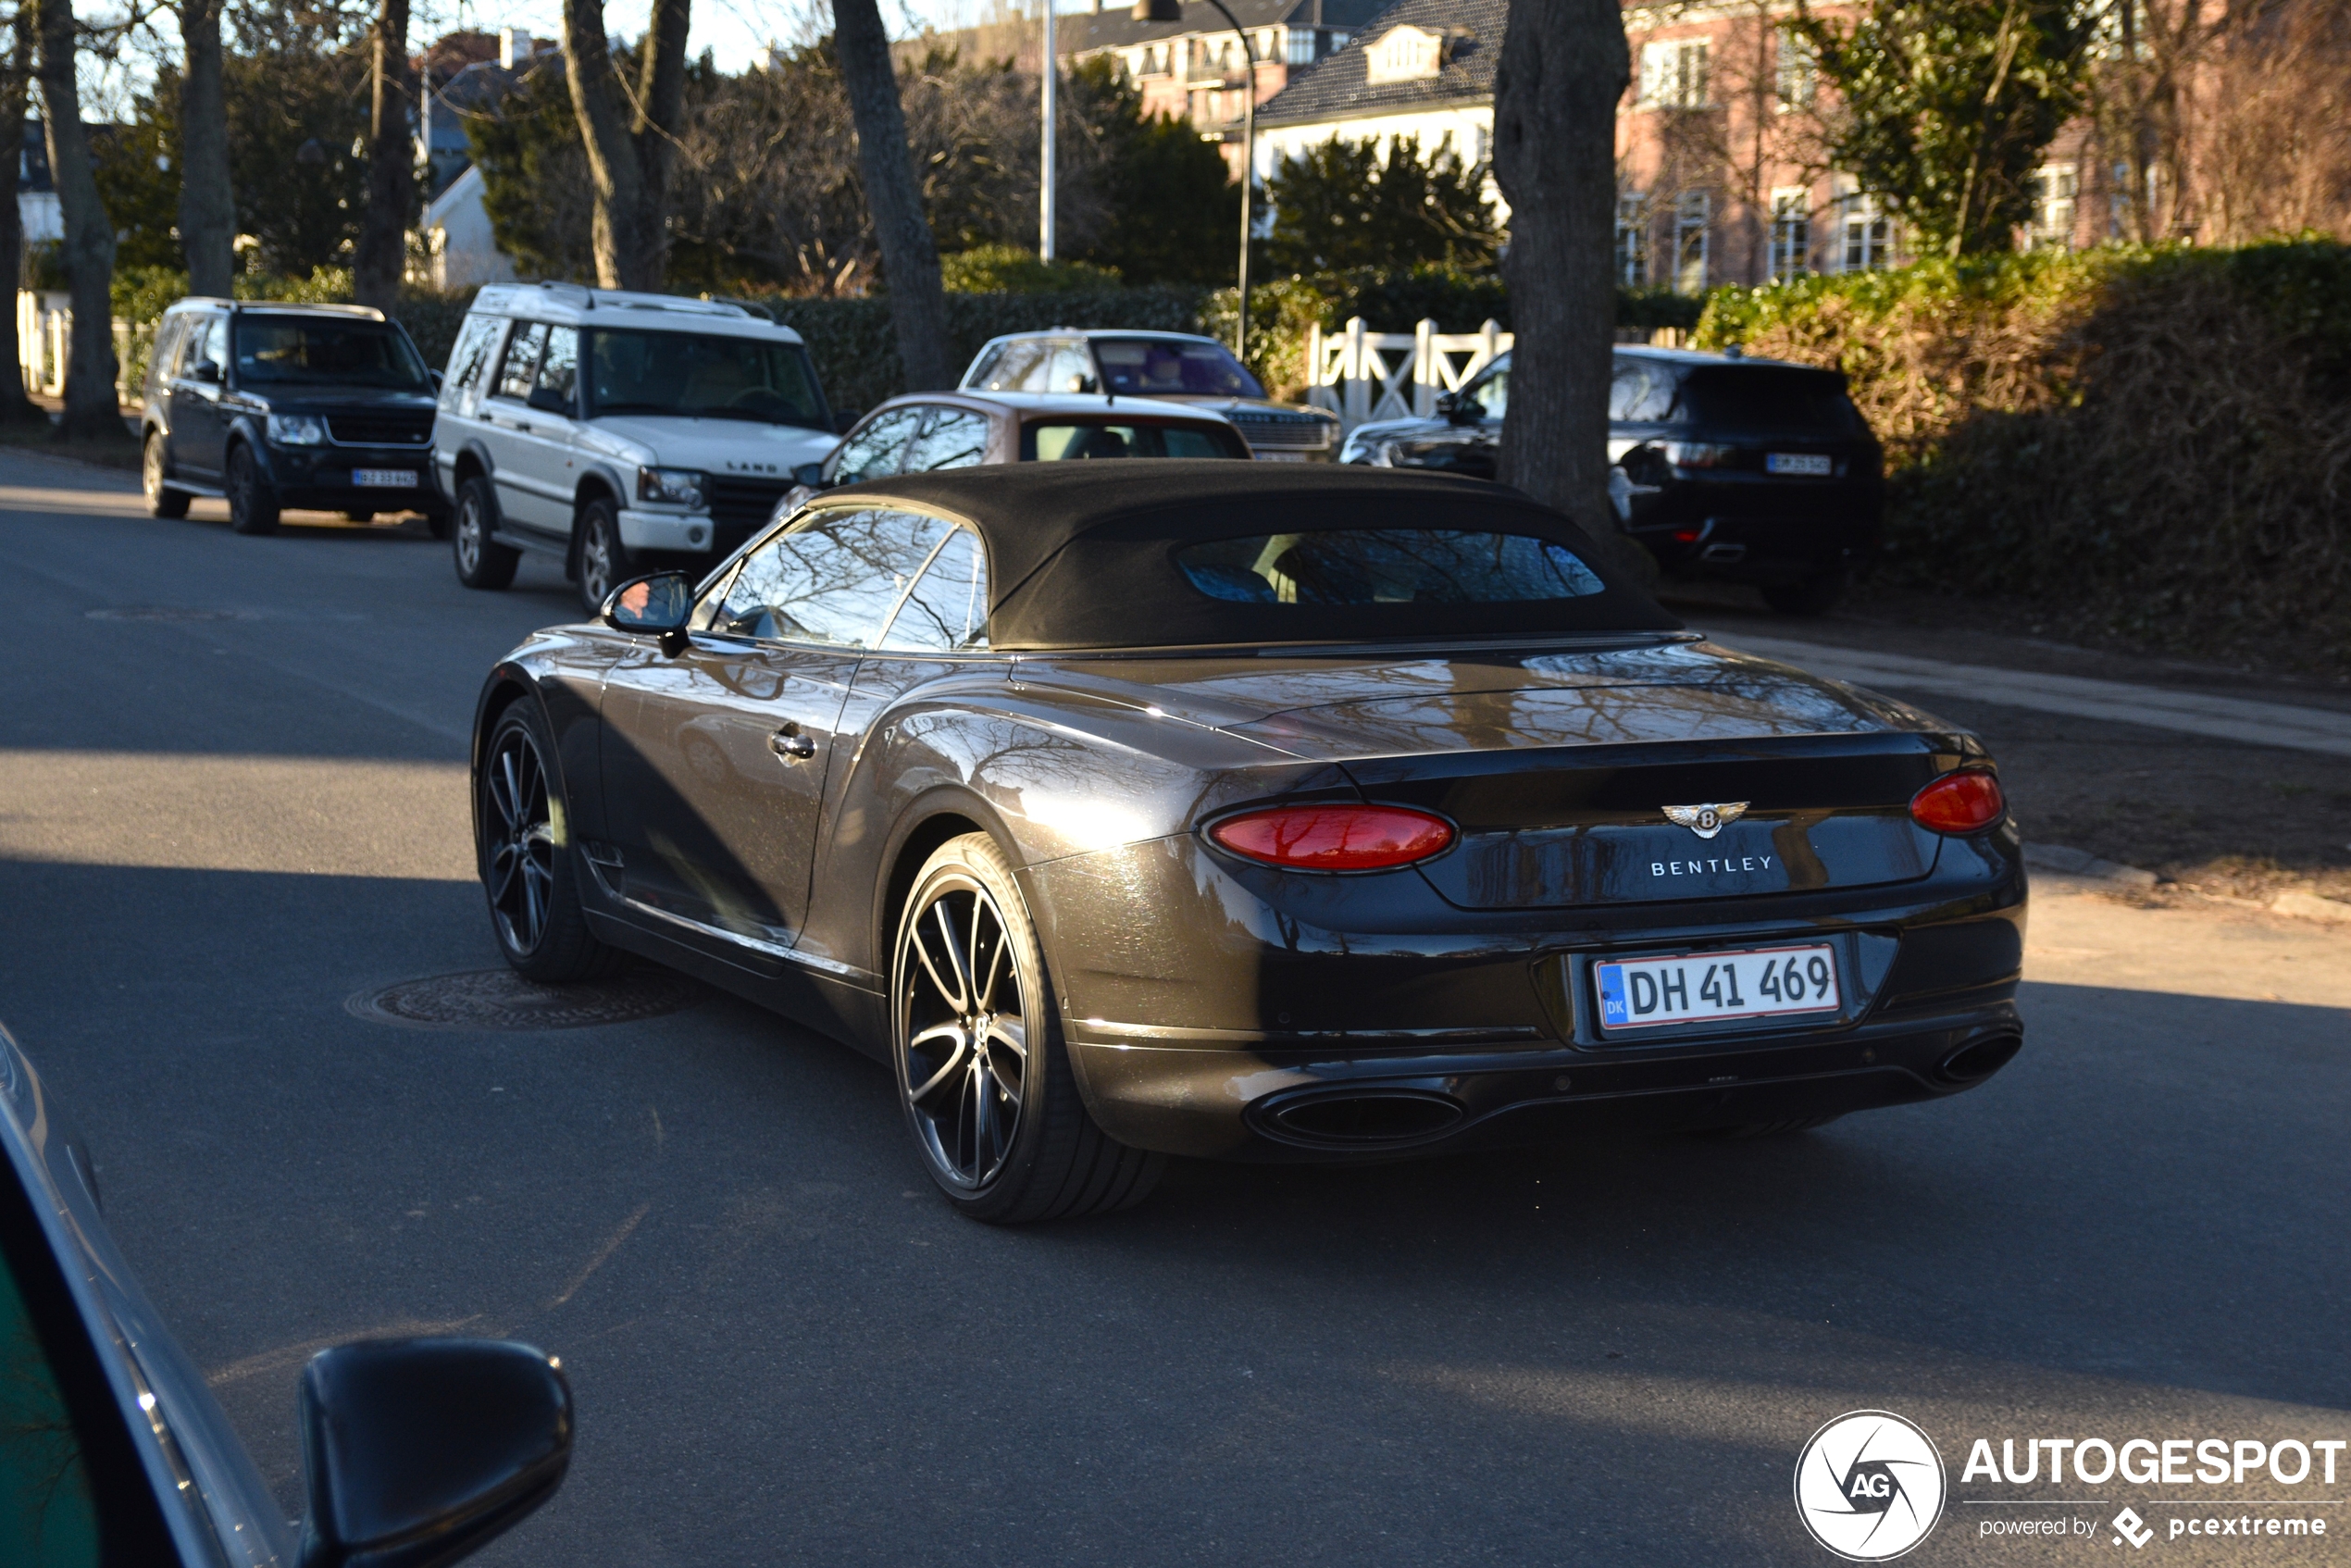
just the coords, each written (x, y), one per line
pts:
(1404, 54)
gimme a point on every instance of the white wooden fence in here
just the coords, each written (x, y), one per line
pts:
(1360, 375)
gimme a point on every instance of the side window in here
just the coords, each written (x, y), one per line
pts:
(984, 367)
(1070, 368)
(466, 361)
(833, 581)
(956, 438)
(872, 452)
(556, 388)
(946, 612)
(216, 343)
(522, 360)
(1492, 391)
(160, 363)
(1013, 367)
(1625, 390)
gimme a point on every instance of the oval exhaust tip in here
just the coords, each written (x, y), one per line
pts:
(1980, 1059)
(1377, 1117)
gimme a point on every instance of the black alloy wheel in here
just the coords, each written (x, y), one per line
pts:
(983, 1076)
(528, 871)
(252, 502)
(481, 561)
(603, 560)
(155, 461)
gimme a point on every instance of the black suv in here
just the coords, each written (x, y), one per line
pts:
(1743, 470)
(324, 408)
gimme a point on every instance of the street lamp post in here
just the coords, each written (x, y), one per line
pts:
(1172, 11)
(1045, 153)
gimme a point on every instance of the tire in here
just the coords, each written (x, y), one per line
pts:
(531, 875)
(155, 459)
(1054, 1163)
(481, 562)
(603, 559)
(253, 503)
(1813, 596)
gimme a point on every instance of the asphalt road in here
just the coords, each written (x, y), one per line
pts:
(232, 796)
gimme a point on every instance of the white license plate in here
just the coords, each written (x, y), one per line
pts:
(1705, 988)
(384, 479)
(1796, 463)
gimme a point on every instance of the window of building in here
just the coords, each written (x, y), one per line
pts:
(1799, 70)
(1673, 74)
(1791, 232)
(1689, 242)
(1302, 47)
(1868, 240)
(1632, 240)
(2056, 188)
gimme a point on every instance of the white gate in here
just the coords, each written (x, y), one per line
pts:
(1362, 376)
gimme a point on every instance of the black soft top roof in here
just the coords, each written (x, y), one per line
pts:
(1081, 555)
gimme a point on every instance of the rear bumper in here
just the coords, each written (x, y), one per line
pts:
(1762, 531)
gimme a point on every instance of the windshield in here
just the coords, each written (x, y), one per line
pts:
(303, 351)
(1387, 566)
(1141, 367)
(697, 377)
(1768, 400)
(1064, 440)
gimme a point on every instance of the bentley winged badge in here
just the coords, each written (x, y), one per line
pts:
(1707, 821)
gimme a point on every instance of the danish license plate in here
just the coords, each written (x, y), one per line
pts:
(1796, 463)
(1705, 988)
(384, 479)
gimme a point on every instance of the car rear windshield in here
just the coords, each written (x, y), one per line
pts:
(304, 352)
(1353, 566)
(1142, 366)
(1768, 400)
(1061, 440)
(696, 376)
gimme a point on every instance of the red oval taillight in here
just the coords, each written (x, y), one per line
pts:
(1334, 838)
(1967, 802)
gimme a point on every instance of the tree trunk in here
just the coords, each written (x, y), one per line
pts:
(16, 72)
(381, 256)
(909, 255)
(1563, 67)
(93, 412)
(207, 200)
(628, 135)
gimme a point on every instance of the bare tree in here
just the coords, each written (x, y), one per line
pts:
(631, 131)
(1563, 67)
(909, 254)
(381, 256)
(16, 76)
(208, 200)
(92, 412)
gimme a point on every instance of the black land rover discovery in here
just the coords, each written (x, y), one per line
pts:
(322, 408)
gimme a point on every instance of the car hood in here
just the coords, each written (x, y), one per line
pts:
(716, 446)
(339, 400)
(1358, 704)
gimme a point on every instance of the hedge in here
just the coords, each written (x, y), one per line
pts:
(2152, 443)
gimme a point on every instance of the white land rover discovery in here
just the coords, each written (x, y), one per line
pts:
(622, 432)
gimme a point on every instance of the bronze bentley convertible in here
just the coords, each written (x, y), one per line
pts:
(1156, 808)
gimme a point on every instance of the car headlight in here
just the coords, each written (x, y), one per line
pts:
(297, 429)
(671, 487)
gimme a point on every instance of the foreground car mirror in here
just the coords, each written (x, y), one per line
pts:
(655, 606)
(420, 1451)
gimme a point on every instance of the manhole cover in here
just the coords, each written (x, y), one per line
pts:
(158, 613)
(499, 999)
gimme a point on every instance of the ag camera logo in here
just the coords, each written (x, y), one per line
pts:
(1870, 1485)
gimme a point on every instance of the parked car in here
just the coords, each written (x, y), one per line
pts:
(1153, 808)
(1174, 366)
(113, 1450)
(1728, 468)
(923, 432)
(618, 431)
(322, 408)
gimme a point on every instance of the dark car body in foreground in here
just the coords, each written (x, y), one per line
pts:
(325, 408)
(113, 1450)
(780, 789)
(1728, 468)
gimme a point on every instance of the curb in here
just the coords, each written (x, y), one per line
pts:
(2089, 867)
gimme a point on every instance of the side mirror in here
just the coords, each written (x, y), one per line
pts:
(1459, 408)
(809, 474)
(419, 1451)
(655, 606)
(204, 370)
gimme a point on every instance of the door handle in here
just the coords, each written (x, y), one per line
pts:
(791, 745)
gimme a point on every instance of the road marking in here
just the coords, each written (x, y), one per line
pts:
(2191, 712)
